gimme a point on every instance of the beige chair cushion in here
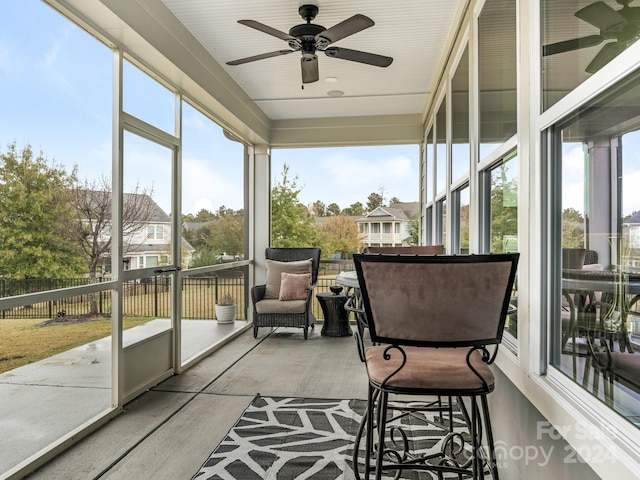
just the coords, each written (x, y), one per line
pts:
(429, 369)
(276, 306)
(274, 274)
(294, 286)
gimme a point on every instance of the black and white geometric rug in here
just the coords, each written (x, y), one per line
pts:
(300, 438)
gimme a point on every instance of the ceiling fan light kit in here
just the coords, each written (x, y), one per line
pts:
(308, 38)
(622, 25)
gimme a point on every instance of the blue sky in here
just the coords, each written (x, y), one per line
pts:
(55, 92)
(349, 175)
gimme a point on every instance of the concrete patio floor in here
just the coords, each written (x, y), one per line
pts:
(168, 432)
(44, 401)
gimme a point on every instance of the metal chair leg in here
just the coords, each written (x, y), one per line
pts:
(382, 425)
(493, 465)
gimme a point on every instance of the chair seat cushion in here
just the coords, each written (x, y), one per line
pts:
(270, 305)
(429, 370)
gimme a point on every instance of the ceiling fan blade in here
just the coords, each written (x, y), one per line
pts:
(343, 29)
(358, 56)
(267, 29)
(259, 57)
(602, 16)
(605, 55)
(310, 71)
(573, 44)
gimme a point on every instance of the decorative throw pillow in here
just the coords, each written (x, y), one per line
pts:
(294, 286)
(274, 274)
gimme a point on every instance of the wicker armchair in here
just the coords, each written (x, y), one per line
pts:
(273, 312)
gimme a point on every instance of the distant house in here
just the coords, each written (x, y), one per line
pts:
(631, 234)
(388, 226)
(150, 245)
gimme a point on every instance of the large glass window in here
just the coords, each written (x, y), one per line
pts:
(497, 61)
(460, 119)
(462, 219)
(596, 325)
(504, 205)
(502, 234)
(441, 223)
(441, 147)
(579, 37)
(429, 166)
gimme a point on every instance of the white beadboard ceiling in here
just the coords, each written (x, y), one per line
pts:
(413, 32)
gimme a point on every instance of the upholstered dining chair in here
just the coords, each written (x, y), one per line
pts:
(286, 298)
(436, 322)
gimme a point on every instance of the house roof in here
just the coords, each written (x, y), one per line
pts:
(398, 211)
(633, 219)
(156, 214)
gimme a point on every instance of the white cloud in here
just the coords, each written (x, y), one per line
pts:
(204, 187)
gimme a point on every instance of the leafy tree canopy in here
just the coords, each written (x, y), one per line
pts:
(339, 234)
(333, 209)
(354, 209)
(374, 200)
(291, 225)
(35, 200)
(319, 209)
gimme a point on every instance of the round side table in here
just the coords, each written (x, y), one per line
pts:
(336, 318)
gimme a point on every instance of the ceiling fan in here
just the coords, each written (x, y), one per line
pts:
(307, 38)
(621, 25)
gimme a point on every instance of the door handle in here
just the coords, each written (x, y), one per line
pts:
(167, 269)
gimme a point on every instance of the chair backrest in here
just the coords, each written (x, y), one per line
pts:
(294, 254)
(436, 300)
(414, 250)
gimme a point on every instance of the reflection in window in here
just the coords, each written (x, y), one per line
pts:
(428, 226)
(596, 327)
(441, 147)
(460, 119)
(497, 74)
(463, 219)
(441, 225)
(578, 39)
(504, 206)
(504, 219)
(429, 166)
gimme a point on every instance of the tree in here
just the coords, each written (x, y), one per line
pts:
(394, 200)
(203, 215)
(92, 222)
(291, 226)
(414, 232)
(333, 209)
(339, 234)
(572, 229)
(354, 209)
(92, 201)
(35, 200)
(374, 200)
(319, 209)
(223, 234)
(504, 212)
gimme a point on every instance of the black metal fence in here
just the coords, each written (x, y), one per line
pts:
(150, 297)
